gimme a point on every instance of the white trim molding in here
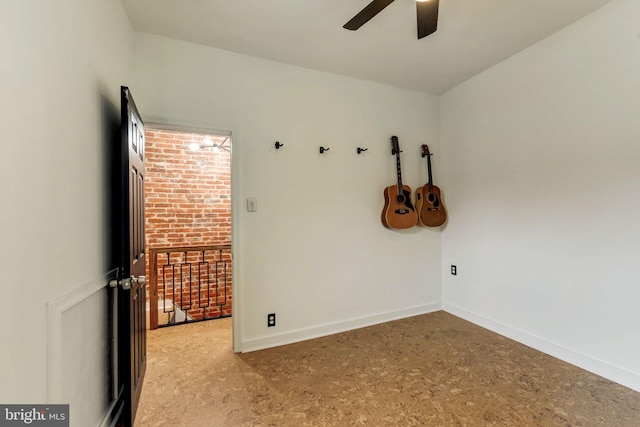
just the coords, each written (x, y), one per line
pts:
(55, 312)
(236, 272)
(160, 125)
(335, 328)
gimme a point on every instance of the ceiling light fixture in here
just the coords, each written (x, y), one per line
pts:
(194, 146)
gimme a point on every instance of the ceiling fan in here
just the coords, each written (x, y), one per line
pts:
(427, 11)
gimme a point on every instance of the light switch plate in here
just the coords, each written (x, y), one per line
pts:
(252, 204)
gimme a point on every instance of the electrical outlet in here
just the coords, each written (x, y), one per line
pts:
(271, 319)
(454, 270)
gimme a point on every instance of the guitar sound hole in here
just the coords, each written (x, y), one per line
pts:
(400, 199)
(433, 199)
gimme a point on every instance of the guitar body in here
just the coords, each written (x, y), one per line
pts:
(398, 212)
(431, 210)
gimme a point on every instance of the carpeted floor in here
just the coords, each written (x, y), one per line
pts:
(429, 370)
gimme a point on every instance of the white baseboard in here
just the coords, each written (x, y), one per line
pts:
(335, 328)
(606, 370)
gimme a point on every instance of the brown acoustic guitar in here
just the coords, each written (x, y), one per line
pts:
(431, 210)
(398, 211)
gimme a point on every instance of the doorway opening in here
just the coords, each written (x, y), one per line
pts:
(188, 225)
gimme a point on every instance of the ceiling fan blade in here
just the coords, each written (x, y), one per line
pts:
(427, 17)
(371, 10)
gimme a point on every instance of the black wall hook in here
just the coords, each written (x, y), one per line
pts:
(360, 150)
(278, 145)
(322, 150)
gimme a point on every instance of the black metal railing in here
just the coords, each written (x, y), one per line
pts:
(189, 284)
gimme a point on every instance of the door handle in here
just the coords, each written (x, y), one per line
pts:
(140, 279)
(125, 283)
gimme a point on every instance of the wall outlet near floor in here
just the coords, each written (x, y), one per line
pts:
(454, 270)
(271, 319)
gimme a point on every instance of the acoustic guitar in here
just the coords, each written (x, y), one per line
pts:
(398, 211)
(431, 210)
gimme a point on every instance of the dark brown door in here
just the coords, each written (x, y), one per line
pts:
(131, 294)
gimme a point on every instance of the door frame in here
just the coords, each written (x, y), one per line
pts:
(236, 317)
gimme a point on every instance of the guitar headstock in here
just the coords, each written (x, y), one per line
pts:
(395, 147)
(425, 150)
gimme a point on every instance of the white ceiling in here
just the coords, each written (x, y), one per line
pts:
(472, 35)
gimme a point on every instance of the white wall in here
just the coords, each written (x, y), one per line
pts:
(61, 67)
(543, 189)
(315, 253)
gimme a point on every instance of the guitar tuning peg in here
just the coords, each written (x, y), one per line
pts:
(360, 150)
(322, 150)
(278, 145)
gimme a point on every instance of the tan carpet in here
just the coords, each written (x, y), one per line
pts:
(429, 370)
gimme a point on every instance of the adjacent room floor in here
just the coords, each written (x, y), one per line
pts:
(429, 370)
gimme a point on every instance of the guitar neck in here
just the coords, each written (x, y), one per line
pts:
(430, 183)
(399, 169)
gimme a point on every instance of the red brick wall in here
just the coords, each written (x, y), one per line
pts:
(187, 193)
